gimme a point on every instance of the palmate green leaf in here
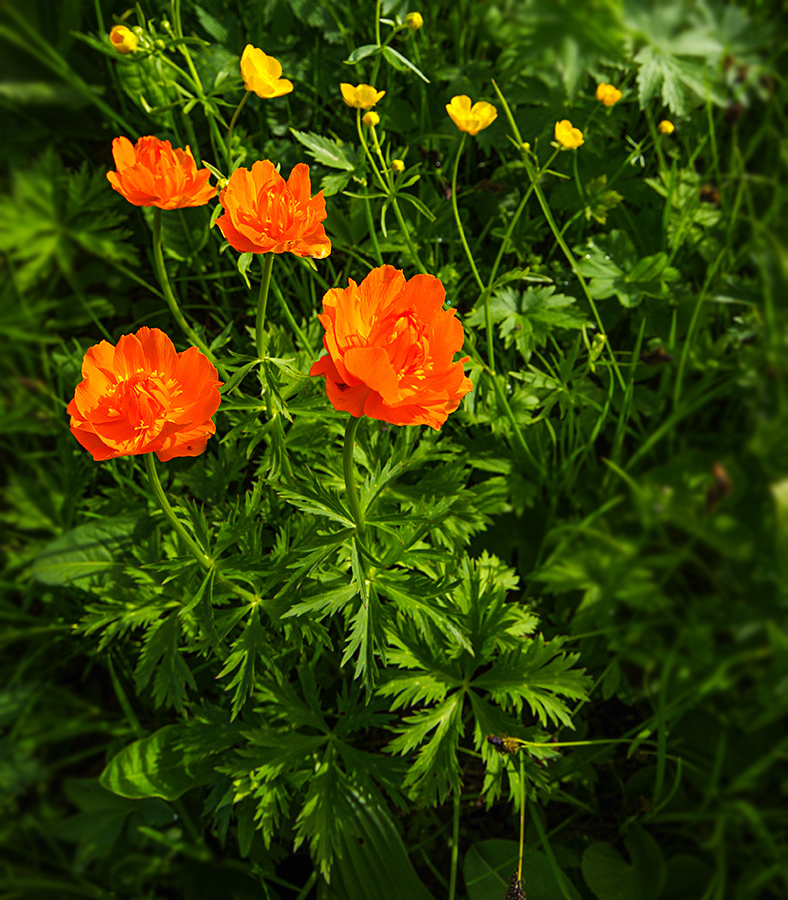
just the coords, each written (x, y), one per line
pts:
(527, 318)
(612, 265)
(436, 769)
(327, 812)
(330, 152)
(161, 655)
(366, 638)
(51, 215)
(154, 767)
(539, 676)
(312, 497)
(242, 660)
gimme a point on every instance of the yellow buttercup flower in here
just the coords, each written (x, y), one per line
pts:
(666, 127)
(123, 39)
(262, 74)
(370, 119)
(608, 94)
(567, 135)
(414, 20)
(472, 119)
(397, 166)
(362, 97)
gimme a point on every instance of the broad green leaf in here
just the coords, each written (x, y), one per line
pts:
(362, 53)
(377, 865)
(489, 866)
(610, 877)
(80, 556)
(402, 63)
(154, 767)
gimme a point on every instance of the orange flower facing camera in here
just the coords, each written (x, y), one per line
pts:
(391, 348)
(263, 213)
(142, 396)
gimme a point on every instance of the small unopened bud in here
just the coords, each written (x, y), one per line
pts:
(666, 127)
(370, 119)
(525, 147)
(397, 166)
(123, 39)
(165, 26)
(414, 20)
(160, 45)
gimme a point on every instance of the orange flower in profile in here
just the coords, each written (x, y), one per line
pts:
(143, 397)
(263, 213)
(391, 347)
(151, 173)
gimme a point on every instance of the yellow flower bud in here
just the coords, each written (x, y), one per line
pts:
(567, 135)
(608, 94)
(472, 119)
(123, 39)
(666, 127)
(370, 119)
(414, 20)
(525, 147)
(362, 97)
(397, 166)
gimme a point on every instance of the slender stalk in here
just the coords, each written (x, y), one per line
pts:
(522, 822)
(372, 234)
(169, 296)
(262, 303)
(350, 486)
(230, 131)
(391, 191)
(455, 848)
(458, 220)
(153, 477)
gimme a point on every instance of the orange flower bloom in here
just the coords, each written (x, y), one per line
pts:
(151, 173)
(391, 348)
(263, 213)
(143, 397)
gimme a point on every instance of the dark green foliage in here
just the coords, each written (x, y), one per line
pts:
(588, 560)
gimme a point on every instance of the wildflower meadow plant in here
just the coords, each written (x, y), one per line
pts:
(397, 501)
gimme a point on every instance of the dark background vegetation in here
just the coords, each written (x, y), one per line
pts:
(649, 529)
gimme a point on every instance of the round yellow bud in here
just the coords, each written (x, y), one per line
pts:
(666, 127)
(370, 119)
(414, 20)
(397, 166)
(123, 39)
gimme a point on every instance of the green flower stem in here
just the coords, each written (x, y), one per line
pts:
(534, 179)
(230, 131)
(262, 302)
(384, 186)
(202, 558)
(153, 477)
(391, 191)
(169, 296)
(297, 330)
(457, 213)
(350, 485)
(522, 820)
(372, 232)
(455, 848)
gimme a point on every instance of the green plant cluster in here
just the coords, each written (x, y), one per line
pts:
(589, 559)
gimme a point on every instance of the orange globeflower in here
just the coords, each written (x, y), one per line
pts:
(151, 173)
(391, 349)
(263, 213)
(143, 397)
